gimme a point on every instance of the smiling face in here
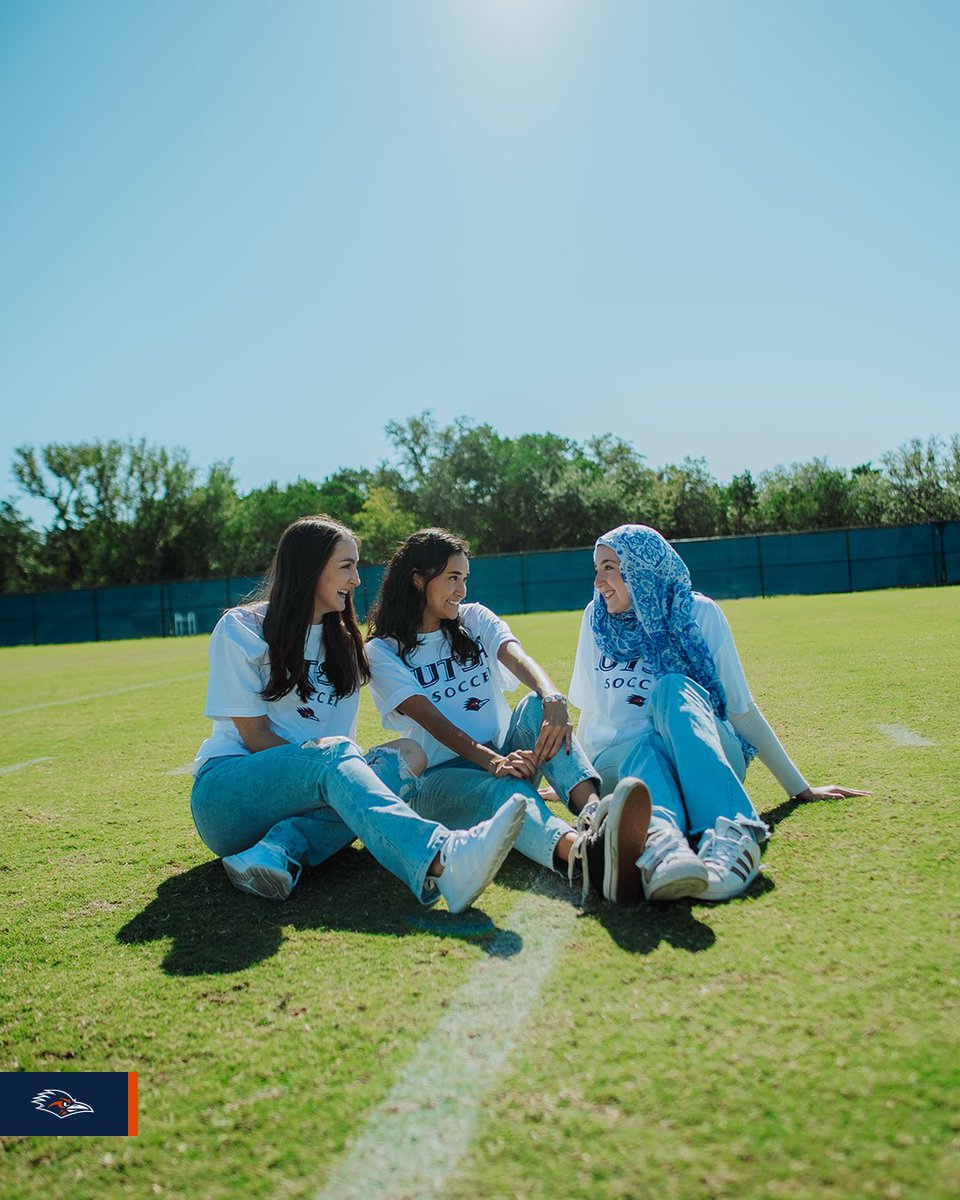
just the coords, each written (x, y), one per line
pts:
(337, 579)
(444, 593)
(609, 582)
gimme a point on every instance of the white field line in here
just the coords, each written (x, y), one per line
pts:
(133, 687)
(29, 763)
(411, 1143)
(186, 769)
(904, 736)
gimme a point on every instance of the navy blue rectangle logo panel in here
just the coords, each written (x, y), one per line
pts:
(68, 1103)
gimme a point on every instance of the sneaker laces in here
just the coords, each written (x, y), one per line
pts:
(720, 852)
(290, 864)
(660, 841)
(589, 823)
(578, 857)
(458, 837)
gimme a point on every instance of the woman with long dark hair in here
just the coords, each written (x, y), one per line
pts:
(439, 670)
(663, 698)
(280, 784)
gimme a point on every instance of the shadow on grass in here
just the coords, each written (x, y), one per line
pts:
(773, 816)
(637, 928)
(217, 930)
(640, 928)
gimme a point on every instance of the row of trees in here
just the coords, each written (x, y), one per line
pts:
(132, 513)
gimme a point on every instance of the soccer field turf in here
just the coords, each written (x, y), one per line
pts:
(801, 1041)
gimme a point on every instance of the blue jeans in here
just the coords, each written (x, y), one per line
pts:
(313, 803)
(459, 792)
(691, 762)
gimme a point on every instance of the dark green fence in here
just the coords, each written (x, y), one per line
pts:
(768, 564)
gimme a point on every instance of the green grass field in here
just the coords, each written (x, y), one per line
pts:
(801, 1041)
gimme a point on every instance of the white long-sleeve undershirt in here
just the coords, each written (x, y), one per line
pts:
(753, 727)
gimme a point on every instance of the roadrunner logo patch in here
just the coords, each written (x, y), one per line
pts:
(59, 1103)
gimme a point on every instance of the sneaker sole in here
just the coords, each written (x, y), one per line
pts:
(628, 822)
(511, 833)
(260, 881)
(684, 887)
(730, 888)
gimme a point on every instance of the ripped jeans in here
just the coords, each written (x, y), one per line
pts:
(313, 802)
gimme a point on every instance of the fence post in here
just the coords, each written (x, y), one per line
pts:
(940, 577)
(846, 540)
(763, 592)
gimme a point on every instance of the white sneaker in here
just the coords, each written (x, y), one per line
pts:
(264, 870)
(471, 857)
(610, 835)
(669, 869)
(732, 860)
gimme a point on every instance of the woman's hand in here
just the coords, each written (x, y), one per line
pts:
(829, 791)
(518, 764)
(556, 730)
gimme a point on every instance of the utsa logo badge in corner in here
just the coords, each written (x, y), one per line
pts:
(65, 1103)
(474, 704)
(59, 1103)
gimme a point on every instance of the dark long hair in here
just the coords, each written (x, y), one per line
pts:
(303, 551)
(398, 610)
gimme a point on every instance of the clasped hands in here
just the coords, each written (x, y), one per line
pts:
(556, 731)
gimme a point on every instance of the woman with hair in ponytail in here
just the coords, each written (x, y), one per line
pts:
(439, 670)
(663, 697)
(279, 784)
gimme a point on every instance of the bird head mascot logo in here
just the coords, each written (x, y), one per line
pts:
(59, 1103)
(639, 701)
(474, 704)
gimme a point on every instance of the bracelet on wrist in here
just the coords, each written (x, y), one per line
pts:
(554, 697)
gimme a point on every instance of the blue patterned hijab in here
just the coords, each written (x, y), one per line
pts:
(660, 628)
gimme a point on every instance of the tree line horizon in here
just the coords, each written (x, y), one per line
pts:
(128, 512)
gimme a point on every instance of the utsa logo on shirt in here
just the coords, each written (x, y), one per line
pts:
(475, 703)
(453, 678)
(633, 675)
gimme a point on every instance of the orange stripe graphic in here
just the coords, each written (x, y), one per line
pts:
(131, 1104)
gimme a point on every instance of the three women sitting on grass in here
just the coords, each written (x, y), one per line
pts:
(666, 718)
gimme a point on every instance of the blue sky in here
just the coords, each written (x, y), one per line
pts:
(260, 231)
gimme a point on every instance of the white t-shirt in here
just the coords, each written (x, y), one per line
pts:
(612, 696)
(470, 695)
(239, 671)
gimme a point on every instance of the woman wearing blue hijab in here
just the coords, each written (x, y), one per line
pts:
(663, 697)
